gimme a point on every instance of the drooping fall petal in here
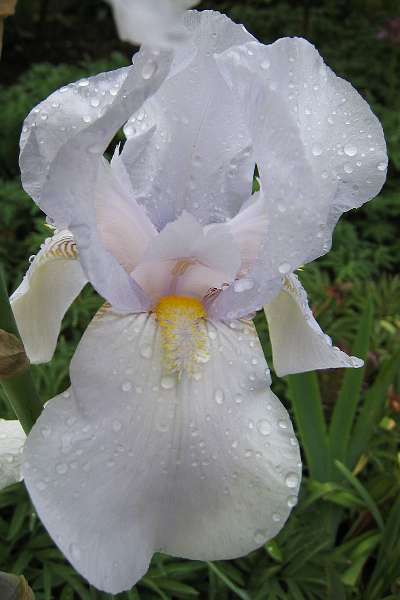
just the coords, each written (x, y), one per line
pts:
(298, 342)
(139, 460)
(51, 284)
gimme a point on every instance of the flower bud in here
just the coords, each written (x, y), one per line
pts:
(13, 359)
(14, 587)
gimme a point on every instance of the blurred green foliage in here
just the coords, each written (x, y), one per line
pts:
(343, 539)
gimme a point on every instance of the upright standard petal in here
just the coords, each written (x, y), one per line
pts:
(199, 157)
(12, 439)
(51, 284)
(62, 144)
(153, 22)
(298, 342)
(319, 149)
(134, 460)
(187, 259)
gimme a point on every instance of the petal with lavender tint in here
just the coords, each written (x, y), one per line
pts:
(153, 22)
(62, 164)
(200, 156)
(298, 342)
(319, 149)
(52, 282)
(134, 460)
(187, 259)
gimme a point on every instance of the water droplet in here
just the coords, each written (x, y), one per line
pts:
(83, 83)
(347, 168)
(282, 424)
(291, 480)
(219, 396)
(95, 102)
(242, 285)
(126, 386)
(316, 150)
(381, 166)
(117, 426)
(146, 351)
(284, 268)
(264, 427)
(149, 69)
(259, 537)
(291, 501)
(61, 468)
(248, 453)
(168, 382)
(238, 398)
(276, 517)
(350, 150)
(265, 64)
(162, 425)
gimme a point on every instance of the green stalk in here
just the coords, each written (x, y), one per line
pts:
(20, 389)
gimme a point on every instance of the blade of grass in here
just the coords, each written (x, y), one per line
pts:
(307, 407)
(387, 550)
(346, 404)
(372, 409)
(362, 492)
(229, 584)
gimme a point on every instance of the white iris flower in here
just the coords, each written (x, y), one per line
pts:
(155, 22)
(170, 438)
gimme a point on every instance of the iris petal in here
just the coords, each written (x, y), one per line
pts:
(133, 459)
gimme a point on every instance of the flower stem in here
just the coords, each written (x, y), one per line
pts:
(20, 389)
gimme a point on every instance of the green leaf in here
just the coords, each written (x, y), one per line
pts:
(389, 552)
(225, 579)
(362, 492)
(346, 404)
(372, 409)
(306, 401)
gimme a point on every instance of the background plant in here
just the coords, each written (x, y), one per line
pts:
(343, 539)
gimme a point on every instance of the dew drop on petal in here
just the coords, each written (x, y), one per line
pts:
(282, 424)
(61, 468)
(259, 537)
(291, 480)
(276, 517)
(126, 386)
(381, 166)
(347, 168)
(149, 69)
(168, 382)
(146, 351)
(291, 501)
(284, 268)
(265, 64)
(219, 396)
(316, 150)
(243, 285)
(350, 150)
(264, 427)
